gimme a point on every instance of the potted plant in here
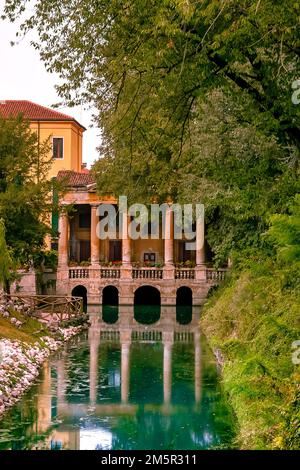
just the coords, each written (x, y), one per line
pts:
(189, 264)
(85, 263)
(116, 263)
(72, 263)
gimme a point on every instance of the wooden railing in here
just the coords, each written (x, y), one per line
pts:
(147, 273)
(50, 307)
(184, 274)
(79, 273)
(215, 274)
(110, 273)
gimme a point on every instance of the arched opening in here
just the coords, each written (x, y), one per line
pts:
(110, 304)
(80, 291)
(184, 305)
(147, 305)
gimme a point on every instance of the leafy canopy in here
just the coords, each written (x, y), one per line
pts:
(194, 100)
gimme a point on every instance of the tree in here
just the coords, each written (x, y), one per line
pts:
(154, 69)
(284, 233)
(25, 192)
(6, 262)
(145, 63)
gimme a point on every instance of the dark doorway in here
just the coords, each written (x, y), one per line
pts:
(183, 253)
(184, 305)
(80, 291)
(110, 304)
(85, 250)
(147, 305)
(115, 250)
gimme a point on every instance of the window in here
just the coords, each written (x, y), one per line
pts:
(84, 220)
(58, 147)
(115, 250)
(85, 250)
(184, 253)
(149, 257)
(54, 246)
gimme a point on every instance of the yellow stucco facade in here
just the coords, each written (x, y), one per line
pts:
(71, 133)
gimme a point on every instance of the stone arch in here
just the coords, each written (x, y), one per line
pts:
(184, 305)
(81, 291)
(147, 304)
(110, 304)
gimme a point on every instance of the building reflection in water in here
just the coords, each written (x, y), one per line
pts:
(127, 385)
(125, 332)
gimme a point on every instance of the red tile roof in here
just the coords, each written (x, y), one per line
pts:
(75, 179)
(32, 111)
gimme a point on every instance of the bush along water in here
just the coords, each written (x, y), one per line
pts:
(253, 323)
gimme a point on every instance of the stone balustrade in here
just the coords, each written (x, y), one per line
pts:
(110, 273)
(185, 273)
(79, 273)
(147, 273)
(215, 274)
(210, 275)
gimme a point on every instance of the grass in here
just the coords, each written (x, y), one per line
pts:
(30, 332)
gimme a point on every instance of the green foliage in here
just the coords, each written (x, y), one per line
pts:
(6, 262)
(25, 193)
(194, 102)
(48, 259)
(254, 321)
(193, 98)
(285, 233)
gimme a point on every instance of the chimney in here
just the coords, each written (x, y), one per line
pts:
(84, 168)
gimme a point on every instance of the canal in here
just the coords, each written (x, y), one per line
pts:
(126, 385)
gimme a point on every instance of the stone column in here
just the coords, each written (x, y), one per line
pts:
(126, 268)
(200, 250)
(125, 339)
(197, 367)
(169, 237)
(94, 340)
(95, 242)
(169, 270)
(168, 345)
(126, 241)
(63, 240)
(61, 379)
(44, 400)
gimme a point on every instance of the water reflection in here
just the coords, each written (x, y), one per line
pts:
(125, 386)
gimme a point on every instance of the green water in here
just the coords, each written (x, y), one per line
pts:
(125, 386)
